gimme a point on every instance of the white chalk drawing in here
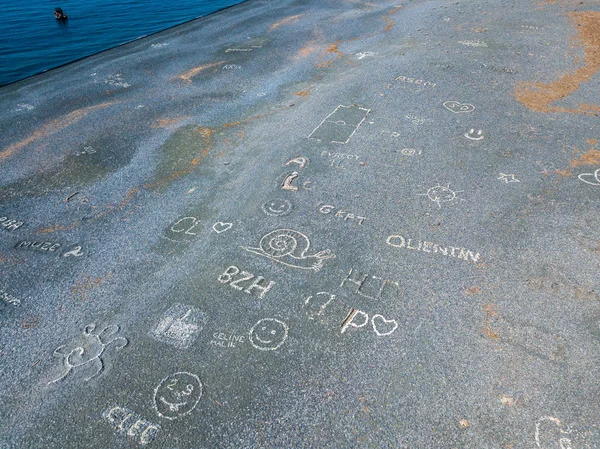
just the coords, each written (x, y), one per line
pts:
(184, 229)
(416, 120)
(364, 54)
(301, 161)
(180, 326)
(474, 135)
(341, 124)
(227, 278)
(75, 252)
(277, 208)
(290, 248)
(24, 107)
(352, 157)
(508, 178)
(131, 425)
(117, 81)
(177, 395)
(287, 182)
(161, 45)
(9, 299)
(369, 286)
(86, 150)
(596, 178)
(397, 241)
(90, 352)
(220, 227)
(231, 67)
(473, 43)
(10, 224)
(442, 194)
(227, 340)
(268, 334)
(419, 82)
(38, 246)
(381, 326)
(558, 433)
(326, 209)
(182, 225)
(457, 108)
(409, 152)
(318, 303)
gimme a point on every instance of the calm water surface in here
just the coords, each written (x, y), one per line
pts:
(32, 40)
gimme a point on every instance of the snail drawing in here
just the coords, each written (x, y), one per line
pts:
(290, 248)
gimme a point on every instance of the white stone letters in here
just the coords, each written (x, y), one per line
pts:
(131, 425)
(357, 319)
(259, 284)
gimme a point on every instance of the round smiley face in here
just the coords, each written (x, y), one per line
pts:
(268, 334)
(277, 208)
(441, 193)
(177, 395)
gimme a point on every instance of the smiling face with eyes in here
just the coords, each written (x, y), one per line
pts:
(177, 395)
(277, 207)
(268, 334)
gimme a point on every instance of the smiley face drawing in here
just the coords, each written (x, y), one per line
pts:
(177, 395)
(277, 208)
(268, 334)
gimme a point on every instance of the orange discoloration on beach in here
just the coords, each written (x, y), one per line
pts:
(592, 141)
(206, 134)
(302, 93)
(285, 21)
(332, 49)
(304, 52)
(591, 157)
(88, 283)
(131, 193)
(491, 311)
(473, 290)
(539, 96)
(187, 76)
(164, 122)
(51, 128)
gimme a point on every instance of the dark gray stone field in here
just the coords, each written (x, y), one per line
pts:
(309, 224)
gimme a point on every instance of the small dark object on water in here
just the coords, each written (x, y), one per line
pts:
(60, 15)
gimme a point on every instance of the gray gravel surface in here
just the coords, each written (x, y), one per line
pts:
(314, 224)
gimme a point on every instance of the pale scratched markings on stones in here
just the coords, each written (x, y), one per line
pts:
(177, 395)
(398, 241)
(141, 430)
(339, 124)
(91, 355)
(227, 277)
(290, 248)
(268, 334)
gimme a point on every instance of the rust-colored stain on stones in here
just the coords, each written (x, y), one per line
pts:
(491, 312)
(51, 128)
(88, 283)
(285, 21)
(331, 50)
(473, 290)
(187, 76)
(164, 122)
(540, 96)
(591, 157)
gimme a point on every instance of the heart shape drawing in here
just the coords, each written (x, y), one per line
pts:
(219, 227)
(456, 107)
(383, 326)
(594, 182)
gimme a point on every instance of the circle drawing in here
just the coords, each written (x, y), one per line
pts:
(268, 334)
(442, 194)
(177, 395)
(277, 208)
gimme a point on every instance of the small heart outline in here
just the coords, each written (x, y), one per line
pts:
(596, 175)
(453, 105)
(220, 227)
(382, 334)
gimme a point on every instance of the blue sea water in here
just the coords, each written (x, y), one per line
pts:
(33, 41)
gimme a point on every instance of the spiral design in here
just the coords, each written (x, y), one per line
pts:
(280, 243)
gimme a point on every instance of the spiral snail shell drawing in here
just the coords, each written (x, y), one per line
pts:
(290, 248)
